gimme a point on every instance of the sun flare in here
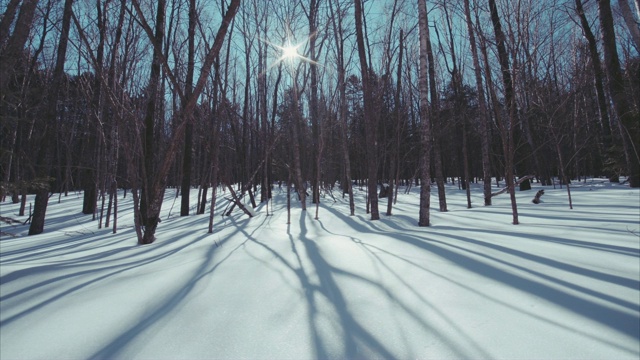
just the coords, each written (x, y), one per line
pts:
(290, 52)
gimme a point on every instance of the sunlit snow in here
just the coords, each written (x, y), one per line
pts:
(562, 284)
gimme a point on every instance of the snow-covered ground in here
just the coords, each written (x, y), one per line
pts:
(562, 284)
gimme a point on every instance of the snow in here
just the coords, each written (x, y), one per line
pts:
(562, 284)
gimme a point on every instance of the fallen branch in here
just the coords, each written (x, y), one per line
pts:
(505, 189)
(237, 201)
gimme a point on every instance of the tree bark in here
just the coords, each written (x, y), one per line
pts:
(11, 53)
(370, 123)
(603, 107)
(483, 122)
(436, 123)
(338, 31)
(631, 23)
(188, 132)
(156, 187)
(507, 125)
(295, 130)
(425, 130)
(629, 117)
(44, 155)
(7, 20)
(312, 17)
(395, 157)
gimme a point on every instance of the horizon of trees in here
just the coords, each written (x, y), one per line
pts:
(145, 95)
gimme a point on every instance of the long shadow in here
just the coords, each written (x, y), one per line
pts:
(487, 296)
(555, 217)
(117, 345)
(481, 353)
(617, 320)
(561, 282)
(623, 322)
(112, 270)
(352, 330)
(614, 279)
(578, 243)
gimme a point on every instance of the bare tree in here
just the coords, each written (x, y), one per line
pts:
(44, 155)
(7, 18)
(484, 113)
(507, 125)
(154, 182)
(425, 131)
(188, 132)
(629, 117)
(436, 121)
(632, 24)
(12, 46)
(598, 76)
(339, 38)
(370, 124)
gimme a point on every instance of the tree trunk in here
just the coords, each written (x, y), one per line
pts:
(149, 204)
(370, 123)
(44, 155)
(603, 107)
(631, 23)
(629, 117)
(465, 159)
(312, 17)
(425, 131)
(395, 157)
(7, 20)
(436, 122)
(155, 182)
(342, 88)
(507, 125)
(188, 132)
(15, 43)
(295, 129)
(215, 165)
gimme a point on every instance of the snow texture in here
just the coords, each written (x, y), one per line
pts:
(562, 284)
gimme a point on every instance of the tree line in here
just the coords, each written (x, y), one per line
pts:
(197, 95)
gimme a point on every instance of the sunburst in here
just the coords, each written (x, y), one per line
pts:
(289, 52)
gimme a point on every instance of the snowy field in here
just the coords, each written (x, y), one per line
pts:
(562, 284)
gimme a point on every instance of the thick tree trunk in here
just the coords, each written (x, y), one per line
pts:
(425, 131)
(44, 156)
(7, 20)
(11, 52)
(92, 158)
(632, 24)
(149, 203)
(629, 117)
(603, 106)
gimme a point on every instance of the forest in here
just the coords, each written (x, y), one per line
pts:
(308, 95)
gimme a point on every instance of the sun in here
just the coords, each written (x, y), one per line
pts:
(290, 52)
